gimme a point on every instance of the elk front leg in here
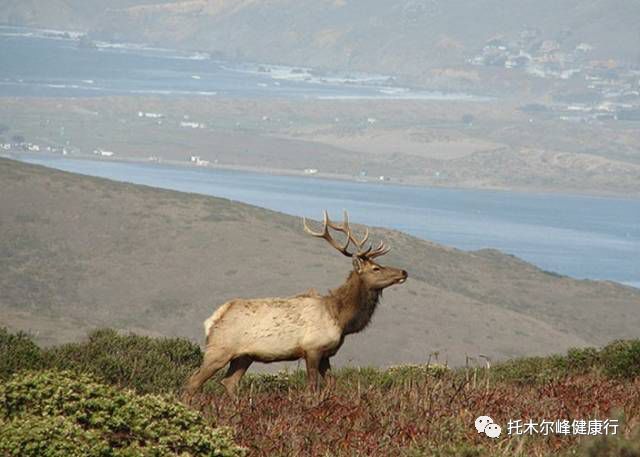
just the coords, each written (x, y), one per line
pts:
(325, 372)
(312, 360)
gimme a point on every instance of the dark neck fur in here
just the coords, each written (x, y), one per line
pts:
(354, 304)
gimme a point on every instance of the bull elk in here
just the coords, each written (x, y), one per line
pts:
(309, 325)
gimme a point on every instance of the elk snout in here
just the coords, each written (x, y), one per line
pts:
(403, 276)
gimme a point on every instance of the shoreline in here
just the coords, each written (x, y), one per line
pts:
(329, 176)
(631, 284)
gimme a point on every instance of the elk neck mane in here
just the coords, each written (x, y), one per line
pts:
(353, 304)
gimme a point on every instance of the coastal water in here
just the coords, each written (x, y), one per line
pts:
(579, 236)
(36, 62)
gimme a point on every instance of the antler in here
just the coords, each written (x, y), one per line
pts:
(368, 253)
(327, 236)
(381, 249)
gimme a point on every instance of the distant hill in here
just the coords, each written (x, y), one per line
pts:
(407, 37)
(79, 252)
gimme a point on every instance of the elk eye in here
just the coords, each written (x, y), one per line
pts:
(376, 268)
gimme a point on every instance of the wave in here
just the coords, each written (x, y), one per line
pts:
(165, 53)
(47, 34)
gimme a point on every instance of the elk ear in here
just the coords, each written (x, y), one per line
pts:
(357, 264)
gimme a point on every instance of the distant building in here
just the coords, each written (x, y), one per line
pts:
(150, 115)
(103, 153)
(310, 171)
(198, 161)
(193, 125)
(584, 47)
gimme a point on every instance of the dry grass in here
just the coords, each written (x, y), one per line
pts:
(418, 415)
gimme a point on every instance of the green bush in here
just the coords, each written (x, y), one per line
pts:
(581, 360)
(17, 352)
(618, 445)
(621, 359)
(45, 436)
(148, 365)
(530, 369)
(61, 413)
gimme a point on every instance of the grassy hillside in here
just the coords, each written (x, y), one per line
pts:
(79, 391)
(80, 253)
(405, 37)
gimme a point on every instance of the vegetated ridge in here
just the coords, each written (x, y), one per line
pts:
(81, 252)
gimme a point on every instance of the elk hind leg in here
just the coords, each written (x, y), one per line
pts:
(237, 369)
(213, 361)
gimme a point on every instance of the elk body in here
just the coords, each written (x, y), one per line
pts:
(309, 326)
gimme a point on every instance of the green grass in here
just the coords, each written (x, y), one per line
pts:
(408, 410)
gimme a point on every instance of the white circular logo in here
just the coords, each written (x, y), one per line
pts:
(484, 424)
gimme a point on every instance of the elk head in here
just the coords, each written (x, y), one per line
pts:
(372, 274)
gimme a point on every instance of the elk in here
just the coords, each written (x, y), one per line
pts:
(308, 326)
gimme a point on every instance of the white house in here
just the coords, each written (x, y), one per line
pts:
(103, 153)
(193, 125)
(150, 115)
(198, 161)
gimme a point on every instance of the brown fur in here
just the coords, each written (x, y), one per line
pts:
(308, 325)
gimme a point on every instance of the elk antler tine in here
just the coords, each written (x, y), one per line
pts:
(327, 236)
(382, 249)
(308, 229)
(366, 236)
(326, 220)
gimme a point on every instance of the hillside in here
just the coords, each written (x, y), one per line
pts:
(98, 393)
(80, 252)
(407, 37)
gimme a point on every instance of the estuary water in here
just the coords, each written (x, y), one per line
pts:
(579, 236)
(52, 63)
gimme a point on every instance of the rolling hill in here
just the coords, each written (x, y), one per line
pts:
(77, 253)
(408, 37)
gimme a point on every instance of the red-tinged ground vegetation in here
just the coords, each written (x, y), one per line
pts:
(420, 415)
(405, 411)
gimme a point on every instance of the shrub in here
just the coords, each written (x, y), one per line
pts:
(618, 445)
(17, 352)
(582, 359)
(148, 365)
(58, 436)
(61, 413)
(530, 369)
(621, 359)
